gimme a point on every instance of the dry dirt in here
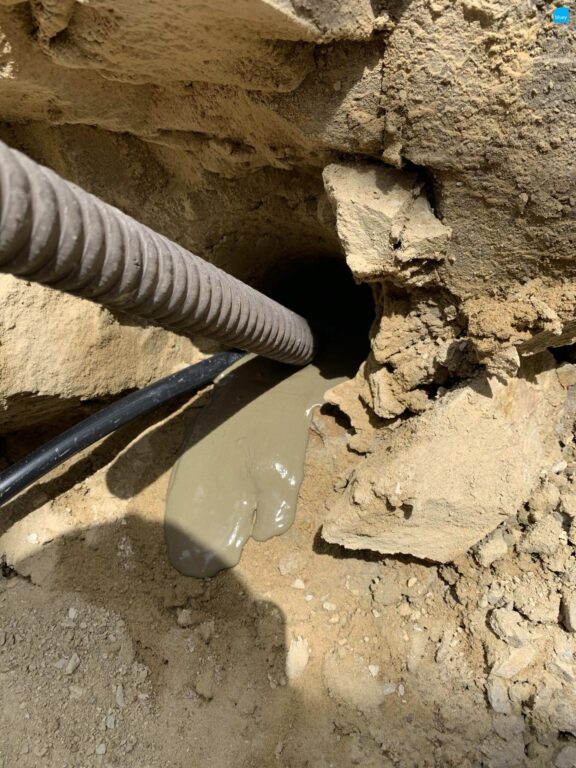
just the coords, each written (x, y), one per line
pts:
(303, 655)
(431, 144)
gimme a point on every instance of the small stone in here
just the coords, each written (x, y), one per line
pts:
(119, 693)
(373, 669)
(412, 581)
(497, 692)
(509, 626)
(72, 665)
(298, 584)
(567, 375)
(72, 613)
(568, 611)
(514, 662)
(401, 690)
(308, 598)
(569, 503)
(404, 610)
(389, 688)
(544, 537)
(297, 658)
(328, 606)
(416, 651)
(206, 630)
(540, 603)
(100, 749)
(444, 646)
(544, 500)
(184, 618)
(111, 721)
(32, 538)
(491, 549)
(566, 758)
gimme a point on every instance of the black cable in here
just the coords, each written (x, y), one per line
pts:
(23, 473)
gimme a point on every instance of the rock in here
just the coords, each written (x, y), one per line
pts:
(188, 618)
(387, 227)
(562, 711)
(514, 661)
(544, 500)
(537, 600)
(566, 758)
(544, 537)
(100, 749)
(297, 658)
(370, 203)
(298, 584)
(328, 606)
(73, 664)
(569, 503)
(443, 650)
(563, 670)
(509, 626)
(119, 696)
(497, 692)
(206, 630)
(416, 651)
(400, 502)
(568, 611)
(350, 397)
(492, 548)
(567, 374)
(509, 726)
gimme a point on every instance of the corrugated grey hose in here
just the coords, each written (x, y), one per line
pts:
(52, 232)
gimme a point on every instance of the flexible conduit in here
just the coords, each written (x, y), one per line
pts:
(52, 232)
(23, 473)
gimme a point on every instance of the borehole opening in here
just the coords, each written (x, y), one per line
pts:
(323, 290)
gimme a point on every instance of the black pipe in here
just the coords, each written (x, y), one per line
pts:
(23, 473)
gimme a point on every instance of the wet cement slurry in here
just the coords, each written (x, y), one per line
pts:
(241, 471)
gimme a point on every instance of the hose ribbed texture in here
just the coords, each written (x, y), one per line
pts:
(55, 233)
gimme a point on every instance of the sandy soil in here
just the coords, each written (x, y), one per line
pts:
(303, 655)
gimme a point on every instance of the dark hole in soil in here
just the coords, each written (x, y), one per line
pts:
(324, 292)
